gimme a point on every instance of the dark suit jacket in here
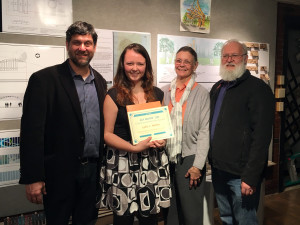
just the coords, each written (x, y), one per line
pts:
(52, 132)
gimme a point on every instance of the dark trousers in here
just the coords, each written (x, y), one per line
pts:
(186, 204)
(77, 199)
(128, 220)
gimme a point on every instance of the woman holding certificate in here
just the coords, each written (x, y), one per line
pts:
(188, 104)
(134, 178)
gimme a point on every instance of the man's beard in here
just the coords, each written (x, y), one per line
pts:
(230, 75)
(80, 63)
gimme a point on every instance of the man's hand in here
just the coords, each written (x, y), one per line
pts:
(35, 192)
(194, 173)
(246, 189)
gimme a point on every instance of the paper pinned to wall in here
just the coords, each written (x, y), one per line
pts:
(39, 17)
(209, 55)
(9, 157)
(17, 63)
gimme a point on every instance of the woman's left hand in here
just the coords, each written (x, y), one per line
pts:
(158, 143)
(194, 173)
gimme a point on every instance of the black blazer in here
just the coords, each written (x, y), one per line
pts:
(52, 132)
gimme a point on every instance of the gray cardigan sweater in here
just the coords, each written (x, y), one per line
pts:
(195, 140)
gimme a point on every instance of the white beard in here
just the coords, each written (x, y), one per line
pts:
(230, 75)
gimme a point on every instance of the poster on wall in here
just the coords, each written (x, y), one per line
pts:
(195, 15)
(11, 99)
(9, 157)
(208, 51)
(209, 58)
(258, 60)
(17, 63)
(103, 58)
(122, 39)
(39, 17)
(111, 45)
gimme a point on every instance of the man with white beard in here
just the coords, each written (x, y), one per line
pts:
(242, 115)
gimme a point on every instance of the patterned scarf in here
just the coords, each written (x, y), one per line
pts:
(174, 144)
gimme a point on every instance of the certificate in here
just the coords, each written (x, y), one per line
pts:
(150, 122)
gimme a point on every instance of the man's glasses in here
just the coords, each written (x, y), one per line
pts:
(233, 56)
(185, 62)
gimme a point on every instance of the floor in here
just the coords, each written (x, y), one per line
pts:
(283, 208)
(279, 209)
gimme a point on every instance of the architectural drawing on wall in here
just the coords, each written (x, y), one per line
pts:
(11, 64)
(209, 54)
(17, 63)
(195, 15)
(18, 6)
(122, 39)
(45, 17)
(11, 99)
(21, 6)
(208, 51)
(13, 68)
(9, 157)
(103, 58)
(107, 54)
(52, 3)
(11, 105)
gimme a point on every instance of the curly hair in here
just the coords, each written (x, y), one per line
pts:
(82, 28)
(124, 86)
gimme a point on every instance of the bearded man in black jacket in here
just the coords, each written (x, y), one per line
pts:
(242, 115)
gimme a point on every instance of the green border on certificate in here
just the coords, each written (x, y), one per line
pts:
(153, 122)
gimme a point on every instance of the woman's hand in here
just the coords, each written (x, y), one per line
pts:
(142, 145)
(194, 173)
(158, 143)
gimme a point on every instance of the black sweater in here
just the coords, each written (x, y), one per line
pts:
(243, 129)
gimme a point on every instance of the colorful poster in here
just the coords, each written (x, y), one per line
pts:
(9, 157)
(209, 58)
(208, 51)
(109, 48)
(122, 39)
(195, 15)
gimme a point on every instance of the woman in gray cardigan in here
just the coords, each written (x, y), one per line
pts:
(189, 104)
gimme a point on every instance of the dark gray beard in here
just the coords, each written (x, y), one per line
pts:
(80, 64)
(76, 62)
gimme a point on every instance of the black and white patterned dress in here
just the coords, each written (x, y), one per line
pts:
(134, 182)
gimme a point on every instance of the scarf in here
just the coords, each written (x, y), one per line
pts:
(174, 144)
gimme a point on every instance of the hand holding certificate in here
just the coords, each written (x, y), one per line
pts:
(149, 120)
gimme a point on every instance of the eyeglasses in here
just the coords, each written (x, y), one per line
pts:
(185, 62)
(233, 56)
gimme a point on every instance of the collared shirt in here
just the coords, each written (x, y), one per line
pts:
(90, 109)
(224, 86)
(178, 94)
